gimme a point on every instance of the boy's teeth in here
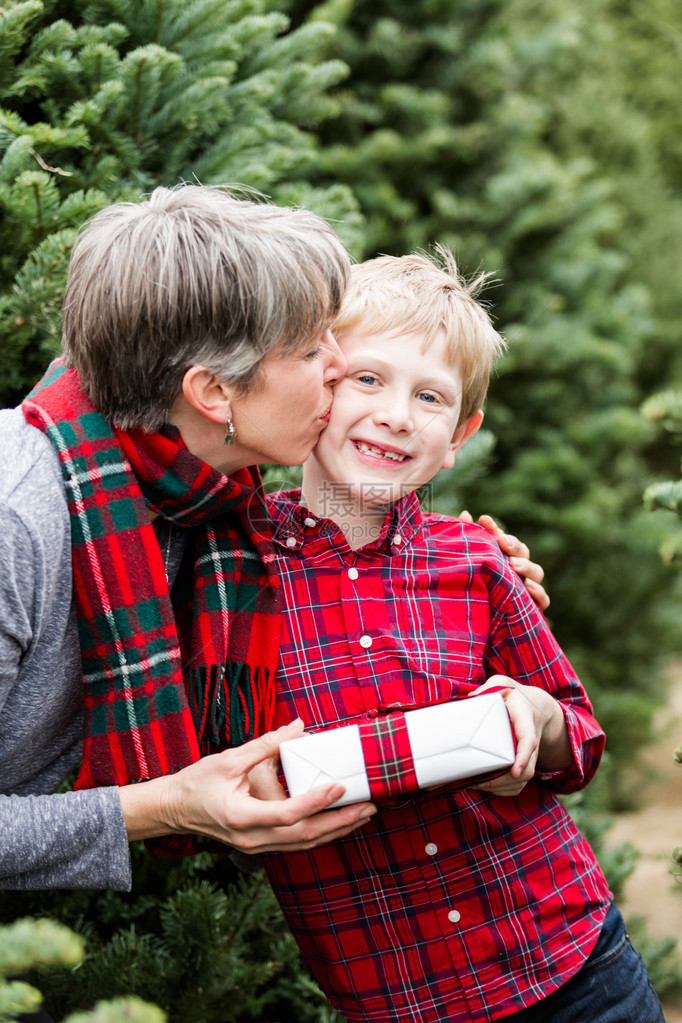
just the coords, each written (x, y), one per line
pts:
(378, 453)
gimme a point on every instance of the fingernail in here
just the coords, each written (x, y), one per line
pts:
(296, 721)
(369, 812)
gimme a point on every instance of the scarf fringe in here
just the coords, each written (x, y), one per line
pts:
(230, 703)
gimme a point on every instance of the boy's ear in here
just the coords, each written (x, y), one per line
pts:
(206, 393)
(461, 435)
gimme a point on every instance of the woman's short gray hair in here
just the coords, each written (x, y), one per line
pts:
(193, 276)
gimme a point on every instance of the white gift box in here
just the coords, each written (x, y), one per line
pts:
(448, 742)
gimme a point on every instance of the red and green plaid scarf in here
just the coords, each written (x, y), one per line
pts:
(166, 679)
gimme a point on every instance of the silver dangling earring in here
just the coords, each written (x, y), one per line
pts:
(230, 433)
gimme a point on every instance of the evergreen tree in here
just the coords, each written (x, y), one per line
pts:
(664, 410)
(196, 936)
(103, 101)
(30, 944)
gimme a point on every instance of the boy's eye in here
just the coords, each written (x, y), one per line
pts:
(367, 378)
(431, 399)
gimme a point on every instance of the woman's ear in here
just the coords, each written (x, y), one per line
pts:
(206, 393)
(461, 435)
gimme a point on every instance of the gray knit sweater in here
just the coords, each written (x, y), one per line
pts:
(73, 839)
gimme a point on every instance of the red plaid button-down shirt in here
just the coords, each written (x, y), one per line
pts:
(454, 905)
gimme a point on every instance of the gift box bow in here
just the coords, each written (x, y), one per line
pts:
(392, 756)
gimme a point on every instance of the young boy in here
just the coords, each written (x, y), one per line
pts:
(449, 904)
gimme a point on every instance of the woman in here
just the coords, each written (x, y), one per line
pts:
(210, 314)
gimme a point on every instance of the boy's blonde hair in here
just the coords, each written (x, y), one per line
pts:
(193, 276)
(423, 294)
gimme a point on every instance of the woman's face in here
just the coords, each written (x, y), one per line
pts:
(281, 419)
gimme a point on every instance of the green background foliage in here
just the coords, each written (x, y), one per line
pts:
(541, 141)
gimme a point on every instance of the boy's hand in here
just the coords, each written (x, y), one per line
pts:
(540, 730)
(531, 573)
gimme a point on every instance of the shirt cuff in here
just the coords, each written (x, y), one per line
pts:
(587, 743)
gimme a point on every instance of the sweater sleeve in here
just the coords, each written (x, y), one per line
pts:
(64, 840)
(49, 840)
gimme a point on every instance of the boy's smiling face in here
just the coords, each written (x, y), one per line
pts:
(394, 421)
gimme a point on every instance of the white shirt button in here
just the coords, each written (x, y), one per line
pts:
(454, 917)
(366, 642)
(397, 540)
(309, 522)
(291, 541)
(353, 573)
(431, 849)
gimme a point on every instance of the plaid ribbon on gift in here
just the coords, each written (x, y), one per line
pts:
(388, 757)
(164, 682)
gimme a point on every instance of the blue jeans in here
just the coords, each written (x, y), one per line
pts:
(612, 987)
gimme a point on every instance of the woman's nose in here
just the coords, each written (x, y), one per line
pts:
(336, 365)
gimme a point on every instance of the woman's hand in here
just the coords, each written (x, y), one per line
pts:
(531, 573)
(539, 725)
(235, 798)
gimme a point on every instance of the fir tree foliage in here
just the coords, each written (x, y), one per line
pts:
(27, 944)
(103, 101)
(665, 411)
(196, 936)
(30, 944)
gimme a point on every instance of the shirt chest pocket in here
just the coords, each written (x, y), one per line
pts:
(438, 634)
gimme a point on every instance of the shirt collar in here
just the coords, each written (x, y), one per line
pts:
(294, 526)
